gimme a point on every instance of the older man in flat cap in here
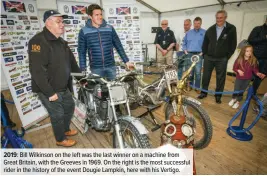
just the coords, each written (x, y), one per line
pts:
(51, 62)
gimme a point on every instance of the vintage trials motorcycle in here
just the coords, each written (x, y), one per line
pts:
(101, 98)
(142, 94)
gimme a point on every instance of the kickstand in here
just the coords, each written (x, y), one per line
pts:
(149, 110)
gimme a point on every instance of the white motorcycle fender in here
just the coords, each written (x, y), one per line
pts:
(136, 122)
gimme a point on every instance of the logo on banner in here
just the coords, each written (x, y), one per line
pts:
(29, 88)
(11, 16)
(10, 22)
(3, 16)
(75, 21)
(33, 18)
(123, 10)
(19, 58)
(16, 83)
(77, 9)
(111, 11)
(18, 92)
(66, 9)
(71, 17)
(13, 69)
(31, 8)
(26, 22)
(6, 49)
(26, 80)
(9, 54)
(135, 10)
(20, 86)
(23, 17)
(19, 47)
(14, 6)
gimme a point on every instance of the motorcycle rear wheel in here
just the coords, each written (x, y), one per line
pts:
(131, 137)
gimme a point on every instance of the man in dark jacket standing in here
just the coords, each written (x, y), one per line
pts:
(218, 46)
(51, 62)
(98, 39)
(258, 39)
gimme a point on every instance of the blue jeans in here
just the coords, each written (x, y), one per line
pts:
(196, 73)
(183, 63)
(108, 72)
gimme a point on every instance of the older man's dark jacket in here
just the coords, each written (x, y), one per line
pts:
(51, 62)
(258, 39)
(223, 47)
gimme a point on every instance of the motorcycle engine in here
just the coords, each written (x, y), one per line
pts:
(99, 119)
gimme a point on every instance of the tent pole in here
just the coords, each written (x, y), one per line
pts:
(148, 6)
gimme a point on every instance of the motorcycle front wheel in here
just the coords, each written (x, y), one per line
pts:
(203, 124)
(131, 136)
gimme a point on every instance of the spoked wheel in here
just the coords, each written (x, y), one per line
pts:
(131, 137)
(202, 122)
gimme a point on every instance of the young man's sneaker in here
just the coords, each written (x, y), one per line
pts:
(236, 105)
(232, 102)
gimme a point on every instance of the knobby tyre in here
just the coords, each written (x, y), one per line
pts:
(131, 137)
(202, 121)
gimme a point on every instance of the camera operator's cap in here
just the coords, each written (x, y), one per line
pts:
(53, 13)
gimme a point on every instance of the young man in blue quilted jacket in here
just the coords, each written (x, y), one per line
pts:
(98, 39)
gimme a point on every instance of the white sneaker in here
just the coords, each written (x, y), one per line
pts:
(236, 105)
(232, 102)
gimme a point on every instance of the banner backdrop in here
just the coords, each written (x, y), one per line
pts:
(126, 21)
(76, 20)
(19, 23)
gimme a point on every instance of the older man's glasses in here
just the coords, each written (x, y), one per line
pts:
(58, 21)
(164, 24)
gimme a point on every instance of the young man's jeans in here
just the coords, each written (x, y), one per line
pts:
(108, 72)
(60, 112)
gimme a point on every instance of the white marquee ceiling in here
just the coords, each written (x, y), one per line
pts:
(172, 5)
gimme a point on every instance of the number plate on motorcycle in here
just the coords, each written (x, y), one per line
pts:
(171, 74)
(118, 94)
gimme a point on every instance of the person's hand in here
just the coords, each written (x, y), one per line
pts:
(129, 65)
(164, 52)
(261, 75)
(200, 54)
(53, 98)
(185, 52)
(240, 72)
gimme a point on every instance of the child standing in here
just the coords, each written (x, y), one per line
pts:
(245, 65)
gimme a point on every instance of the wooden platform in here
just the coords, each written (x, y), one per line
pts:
(224, 155)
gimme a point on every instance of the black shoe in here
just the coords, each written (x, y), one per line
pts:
(202, 95)
(218, 100)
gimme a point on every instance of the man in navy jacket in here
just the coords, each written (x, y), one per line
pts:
(97, 39)
(218, 46)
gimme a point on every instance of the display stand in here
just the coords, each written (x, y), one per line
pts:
(149, 111)
(239, 132)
